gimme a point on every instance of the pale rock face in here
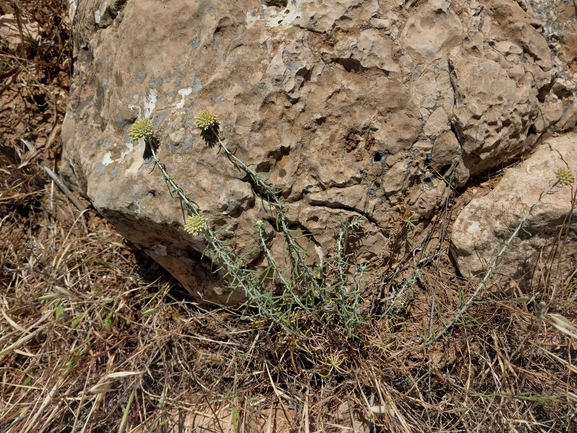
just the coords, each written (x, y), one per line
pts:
(354, 108)
(431, 31)
(485, 224)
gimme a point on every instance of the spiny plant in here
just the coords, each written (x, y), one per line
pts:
(564, 177)
(195, 224)
(303, 292)
(142, 128)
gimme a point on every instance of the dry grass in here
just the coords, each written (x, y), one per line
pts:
(95, 338)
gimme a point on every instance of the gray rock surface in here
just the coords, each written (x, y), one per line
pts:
(486, 223)
(354, 108)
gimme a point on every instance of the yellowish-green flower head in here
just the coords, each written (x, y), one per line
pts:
(260, 227)
(195, 224)
(142, 128)
(565, 176)
(205, 119)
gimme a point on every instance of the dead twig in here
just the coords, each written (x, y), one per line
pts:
(55, 178)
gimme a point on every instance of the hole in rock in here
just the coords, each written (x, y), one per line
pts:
(278, 3)
(263, 167)
(377, 157)
(544, 91)
(445, 170)
(350, 64)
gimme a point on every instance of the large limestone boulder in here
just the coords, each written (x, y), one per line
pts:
(353, 108)
(548, 232)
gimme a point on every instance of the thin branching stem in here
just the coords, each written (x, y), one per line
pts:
(304, 290)
(490, 271)
(296, 253)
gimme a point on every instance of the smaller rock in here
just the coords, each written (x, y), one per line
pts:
(445, 149)
(485, 224)
(437, 123)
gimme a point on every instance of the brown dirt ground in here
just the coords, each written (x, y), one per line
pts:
(94, 337)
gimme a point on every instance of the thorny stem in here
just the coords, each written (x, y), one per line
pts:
(214, 243)
(278, 274)
(239, 278)
(490, 271)
(272, 196)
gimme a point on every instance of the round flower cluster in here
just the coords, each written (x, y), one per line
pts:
(195, 224)
(565, 176)
(142, 128)
(205, 119)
